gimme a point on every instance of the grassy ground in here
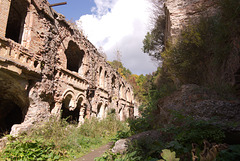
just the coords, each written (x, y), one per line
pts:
(58, 140)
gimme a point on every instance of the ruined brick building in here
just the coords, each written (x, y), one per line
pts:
(48, 67)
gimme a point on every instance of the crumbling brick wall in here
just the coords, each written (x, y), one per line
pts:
(54, 69)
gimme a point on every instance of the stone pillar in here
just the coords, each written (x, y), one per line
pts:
(81, 115)
(56, 111)
(4, 12)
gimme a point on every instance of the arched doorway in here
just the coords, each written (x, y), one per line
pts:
(14, 103)
(70, 113)
(10, 114)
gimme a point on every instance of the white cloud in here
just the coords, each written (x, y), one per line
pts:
(120, 25)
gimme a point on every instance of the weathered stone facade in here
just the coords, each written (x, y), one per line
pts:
(179, 13)
(47, 67)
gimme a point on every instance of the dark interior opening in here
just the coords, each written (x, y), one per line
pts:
(74, 56)
(16, 20)
(70, 116)
(98, 109)
(113, 81)
(10, 114)
(237, 82)
(100, 76)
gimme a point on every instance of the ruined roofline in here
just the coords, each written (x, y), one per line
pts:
(53, 15)
(61, 18)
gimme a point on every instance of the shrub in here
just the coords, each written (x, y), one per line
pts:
(31, 150)
(230, 154)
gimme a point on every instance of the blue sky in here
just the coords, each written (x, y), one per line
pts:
(114, 25)
(74, 8)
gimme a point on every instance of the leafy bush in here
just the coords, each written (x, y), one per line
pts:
(230, 154)
(122, 134)
(184, 131)
(31, 150)
(195, 131)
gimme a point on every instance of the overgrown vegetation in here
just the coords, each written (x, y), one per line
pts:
(197, 57)
(202, 49)
(57, 140)
(177, 137)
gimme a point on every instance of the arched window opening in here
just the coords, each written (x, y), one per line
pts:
(10, 114)
(71, 115)
(74, 56)
(113, 82)
(105, 79)
(101, 77)
(100, 111)
(16, 20)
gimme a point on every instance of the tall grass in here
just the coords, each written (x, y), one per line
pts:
(67, 141)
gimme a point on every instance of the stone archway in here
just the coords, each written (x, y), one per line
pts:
(100, 110)
(14, 102)
(69, 112)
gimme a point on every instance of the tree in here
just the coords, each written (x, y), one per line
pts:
(124, 72)
(153, 43)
